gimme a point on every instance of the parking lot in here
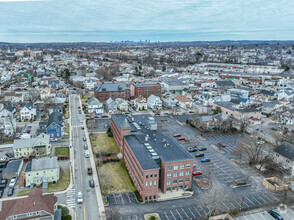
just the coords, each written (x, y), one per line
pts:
(100, 125)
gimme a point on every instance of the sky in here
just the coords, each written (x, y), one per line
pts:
(158, 20)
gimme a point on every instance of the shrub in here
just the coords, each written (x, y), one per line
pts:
(68, 217)
(109, 134)
(189, 189)
(241, 184)
(64, 211)
(54, 181)
(234, 212)
(152, 217)
(138, 196)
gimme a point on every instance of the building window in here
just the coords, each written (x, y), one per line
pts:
(154, 197)
(37, 174)
(181, 181)
(150, 183)
(187, 173)
(188, 165)
(155, 174)
(146, 176)
(176, 167)
(175, 181)
(145, 197)
(168, 189)
(187, 186)
(187, 179)
(168, 183)
(147, 183)
(174, 188)
(151, 175)
(175, 174)
(155, 182)
(182, 166)
(169, 168)
(181, 173)
(150, 197)
(169, 175)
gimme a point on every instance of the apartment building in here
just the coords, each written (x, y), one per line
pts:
(111, 90)
(155, 161)
(144, 90)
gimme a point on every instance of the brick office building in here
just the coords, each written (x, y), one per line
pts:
(154, 160)
(111, 90)
(144, 90)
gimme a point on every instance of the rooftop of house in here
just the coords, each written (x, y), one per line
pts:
(44, 163)
(111, 87)
(55, 117)
(225, 83)
(12, 166)
(30, 142)
(182, 98)
(286, 149)
(36, 201)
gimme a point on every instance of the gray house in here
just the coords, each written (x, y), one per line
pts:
(284, 155)
(111, 105)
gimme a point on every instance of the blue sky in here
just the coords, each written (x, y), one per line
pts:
(157, 20)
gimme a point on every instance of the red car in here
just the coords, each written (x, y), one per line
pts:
(181, 138)
(177, 135)
(195, 173)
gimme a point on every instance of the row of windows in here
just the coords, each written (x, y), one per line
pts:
(151, 175)
(155, 183)
(169, 175)
(176, 167)
(176, 181)
(175, 188)
(150, 197)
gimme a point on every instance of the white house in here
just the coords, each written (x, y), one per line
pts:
(111, 105)
(8, 111)
(284, 154)
(27, 112)
(94, 106)
(89, 84)
(154, 102)
(140, 104)
(183, 101)
(288, 94)
(122, 104)
(7, 126)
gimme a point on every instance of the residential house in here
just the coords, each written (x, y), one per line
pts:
(90, 83)
(140, 104)
(55, 108)
(7, 126)
(27, 112)
(40, 146)
(238, 93)
(154, 102)
(174, 85)
(169, 103)
(268, 107)
(42, 169)
(55, 125)
(45, 93)
(111, 105)
(286, 94)
(122, 105)
(8, 111)
(183, 101)
(35, 206)
(53, 84)
(94, 106)
(284, 155)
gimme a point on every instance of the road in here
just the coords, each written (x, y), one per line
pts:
(89, 209)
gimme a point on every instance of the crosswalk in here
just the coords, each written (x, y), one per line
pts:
(71, 198)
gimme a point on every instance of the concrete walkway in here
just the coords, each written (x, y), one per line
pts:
(173, 195)
(95, 173)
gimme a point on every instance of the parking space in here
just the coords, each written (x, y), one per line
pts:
(286, 213)
(100, 125)
(121, 199)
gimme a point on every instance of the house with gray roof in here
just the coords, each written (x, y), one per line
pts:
(42, 170)
(7, 111)
(111, 105)
(55, 125)
(284, 155)
(94, 106)
(122, 104)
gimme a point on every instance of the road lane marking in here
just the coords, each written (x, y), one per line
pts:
(84, 212)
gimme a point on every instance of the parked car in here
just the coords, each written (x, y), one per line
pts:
(86, 153)
(177, 135)
(275, 215)
(3, 181)
(85, 147)
(82, 127)
(206, 159)
(12, 182)
(260, 142)
(199, 154)
(10, 155)
(4, 158)
(202, 148)
(10, 191)
(91, 183)
(195, 173)
(90, 170)
(221, 144)
(104, 116)
(2, 185)
(181, 138)
(80, 198)
(192, 150)
(84, 138)
(1, 192)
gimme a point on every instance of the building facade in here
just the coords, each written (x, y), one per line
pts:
(144, 90)
(111, 90)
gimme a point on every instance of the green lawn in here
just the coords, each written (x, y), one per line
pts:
(24, 192)
(85, 97)
(114, 178)
(7, 142)
(62, 151)
(66, 111)
(62, 183)
(101, 142)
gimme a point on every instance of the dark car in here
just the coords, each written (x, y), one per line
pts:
(104, 116)
(3, 181)
(275, 215)
(10, 155)
(10, 191)
(1, 192)
(221, 144)
(202, 148)
(192, 150)
(90, 171)
(85, 147)
(91, 183)
(199, 155)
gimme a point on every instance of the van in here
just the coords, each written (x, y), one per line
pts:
(86, 153)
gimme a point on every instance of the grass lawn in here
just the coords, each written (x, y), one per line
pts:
(62, 151)
(85, 97)
(24, 192)
(7, 142)
(114, 178)
(102, 142)
(66, 111)
(62, 183)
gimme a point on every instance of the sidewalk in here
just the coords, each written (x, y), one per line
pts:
(95, 174)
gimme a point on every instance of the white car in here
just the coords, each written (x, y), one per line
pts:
(80, 198)
(86, 153)
(260, 142)
(12, 182)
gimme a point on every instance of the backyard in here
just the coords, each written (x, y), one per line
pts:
(62, 152)
(85, 97)
(114, 178)
(101, 142)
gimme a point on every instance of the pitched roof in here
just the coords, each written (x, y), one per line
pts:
(286, 149)
(225, 83)
(9, 108)
(111, 87)
(182, 98)
(30, 142)
(125, 125)
(55, 117)
(44, 163)
(36, 201)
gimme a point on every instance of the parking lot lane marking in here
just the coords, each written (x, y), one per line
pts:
(254, 216)
(197, 211)
(228, 209)
(262, 216)
(262, 199)
(179, 214)
(172, 214)
(136, 217)
(256, 200)
(166, 215)
(114, 196)
(185, 213)
(249, 200)
(122, 198)
(191, 213)
(129, 198)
